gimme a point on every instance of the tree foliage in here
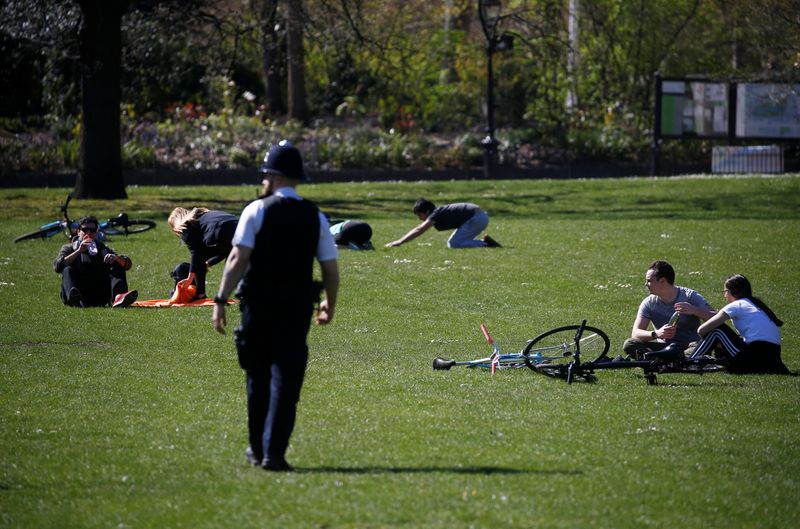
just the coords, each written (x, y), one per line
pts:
(406, 65)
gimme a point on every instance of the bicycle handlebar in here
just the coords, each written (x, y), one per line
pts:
(64, 209)
(66, 204)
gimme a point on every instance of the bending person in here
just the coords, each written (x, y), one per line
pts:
(757, 347)
(468, 220)
(352, 234)
(208, 235)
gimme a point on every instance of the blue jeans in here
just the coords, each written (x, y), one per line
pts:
(464, 236)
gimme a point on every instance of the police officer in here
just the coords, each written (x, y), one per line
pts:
(274, 247)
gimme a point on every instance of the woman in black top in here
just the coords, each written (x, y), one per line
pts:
(208, 235)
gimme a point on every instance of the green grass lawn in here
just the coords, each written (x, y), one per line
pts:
(135, 418)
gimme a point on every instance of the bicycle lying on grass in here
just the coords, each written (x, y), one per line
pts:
(558, 353)
(555, 347)
(119, 225)
(668, 360)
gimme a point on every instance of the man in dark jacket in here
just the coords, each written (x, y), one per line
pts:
(92, 274)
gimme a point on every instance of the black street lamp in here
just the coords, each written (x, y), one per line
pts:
(489, 13)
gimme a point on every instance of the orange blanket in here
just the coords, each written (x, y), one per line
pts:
(160, 303)
(183, 296)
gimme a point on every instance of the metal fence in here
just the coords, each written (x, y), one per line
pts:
(747, 159)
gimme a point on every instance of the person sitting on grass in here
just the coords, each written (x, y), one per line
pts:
(659, 307)
(757, 346)
(92, 274)
(468, 220)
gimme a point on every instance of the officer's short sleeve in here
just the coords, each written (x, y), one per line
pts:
(249, 224)
(326, 246)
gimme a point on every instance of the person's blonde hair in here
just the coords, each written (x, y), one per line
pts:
(181, 217)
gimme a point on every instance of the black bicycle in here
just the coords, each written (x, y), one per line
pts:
(119, 225)
(571, 340)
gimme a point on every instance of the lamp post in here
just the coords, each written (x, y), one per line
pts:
(489, 13)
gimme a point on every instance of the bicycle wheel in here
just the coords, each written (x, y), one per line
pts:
(41, 233)
(130, 228)
(555, 349)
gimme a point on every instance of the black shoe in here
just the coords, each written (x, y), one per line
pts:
(252, 460)
(490, 243)
(74, 297)
(276, 465)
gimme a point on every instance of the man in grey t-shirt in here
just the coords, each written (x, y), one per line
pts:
(468, 220)
(666, 299)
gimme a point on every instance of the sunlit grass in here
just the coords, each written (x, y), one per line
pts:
(135, 418)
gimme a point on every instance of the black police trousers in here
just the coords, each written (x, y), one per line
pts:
(272, 349)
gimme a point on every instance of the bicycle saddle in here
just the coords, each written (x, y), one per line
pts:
(670, 353)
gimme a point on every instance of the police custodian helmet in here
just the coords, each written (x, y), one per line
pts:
(284, 159)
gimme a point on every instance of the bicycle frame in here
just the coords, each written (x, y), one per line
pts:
(498, 359)
(119, 225)
(654, 363)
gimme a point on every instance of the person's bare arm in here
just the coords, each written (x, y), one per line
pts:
(330, 278)
(642, 333)
(712, 323)
(704, 313)
(413, 234)
(235, 267)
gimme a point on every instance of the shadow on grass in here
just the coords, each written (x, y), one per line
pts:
(729, 380)
(485, 470)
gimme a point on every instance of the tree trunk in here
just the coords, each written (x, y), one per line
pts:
(271, 75)
(296, 61)
(573, 31)
(100, 165)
